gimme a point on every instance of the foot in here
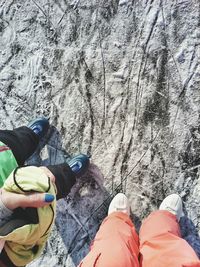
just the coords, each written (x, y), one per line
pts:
(39, 126)
(79, 164)
(119, 203)
(173, 204)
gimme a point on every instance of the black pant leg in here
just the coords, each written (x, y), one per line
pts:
(65, 179)
(22, 141)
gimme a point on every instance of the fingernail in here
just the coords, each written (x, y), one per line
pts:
(48, 198)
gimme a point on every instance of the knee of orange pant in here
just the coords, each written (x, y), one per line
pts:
(117, 222)
(158, 223)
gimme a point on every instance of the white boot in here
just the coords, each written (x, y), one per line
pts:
(119, 203)
(173, 204)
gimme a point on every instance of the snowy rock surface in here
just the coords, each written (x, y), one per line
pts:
(119, 80)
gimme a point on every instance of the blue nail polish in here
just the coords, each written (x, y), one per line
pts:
(48, 198)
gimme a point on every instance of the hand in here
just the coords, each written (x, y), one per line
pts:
(35, 200)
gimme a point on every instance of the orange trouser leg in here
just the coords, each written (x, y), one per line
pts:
(115, 245)
(161, 244)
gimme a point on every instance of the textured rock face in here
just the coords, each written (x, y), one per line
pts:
(119, 80)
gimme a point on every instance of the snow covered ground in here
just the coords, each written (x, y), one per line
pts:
(119, 80)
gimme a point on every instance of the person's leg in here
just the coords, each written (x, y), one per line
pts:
(64, 179)
(116, 243)
(23, 141)
(161, 244)
(66, 173)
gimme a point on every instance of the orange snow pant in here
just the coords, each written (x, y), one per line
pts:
(115, 245)
(161, 245)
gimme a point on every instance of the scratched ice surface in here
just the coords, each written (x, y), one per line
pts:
(119, 80)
